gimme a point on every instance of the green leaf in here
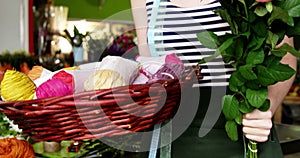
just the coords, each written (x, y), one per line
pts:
(238, 47)
(266, 105)
(278, 52)
(256, 42)
(225, 44)
(243, 2)
(272, 60)
(224, 14)
(259, 27)
(265, 77)
(236, 80)
(272, 39)
(230, 107)
(256, 98)
(281, 72)
(208, 39)
(269, 7)
(244, 26)
(5, 127)
(239, 119)
(251, 17)
(245, 107)
(247, 72)
(281, 33)
(255, 57)
(228, 54)
(231, 130)
(280, 14)
(292, 7)
(283, 49)
(253, 84)
(243, 89)
(294, 31)
(220, 49)
(253, 5)
(260, 11)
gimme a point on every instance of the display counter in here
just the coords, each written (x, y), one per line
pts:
(289, 137)
(289, 134)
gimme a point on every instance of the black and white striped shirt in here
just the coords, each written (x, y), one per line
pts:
(176, 31)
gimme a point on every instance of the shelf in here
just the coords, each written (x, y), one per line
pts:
(288, 100)
(291, 100)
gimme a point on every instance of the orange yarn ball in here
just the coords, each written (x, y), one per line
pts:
(14, 148)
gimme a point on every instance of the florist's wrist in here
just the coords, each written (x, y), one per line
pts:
(144, 49)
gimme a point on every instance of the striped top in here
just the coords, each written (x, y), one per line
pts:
(175, 31)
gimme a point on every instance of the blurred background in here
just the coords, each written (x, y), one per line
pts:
(62, 33)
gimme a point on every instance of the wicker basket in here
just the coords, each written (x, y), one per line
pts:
(98, 113)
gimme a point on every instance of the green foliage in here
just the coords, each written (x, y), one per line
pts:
(257, 98)
(16, 58)
(230, 107)
(256, 30)
(231, 129)
(5, 127)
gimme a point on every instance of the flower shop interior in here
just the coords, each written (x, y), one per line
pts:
(63, 34)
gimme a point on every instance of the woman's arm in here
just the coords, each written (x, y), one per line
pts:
(139, 13)
(257, 124)
(278, 91)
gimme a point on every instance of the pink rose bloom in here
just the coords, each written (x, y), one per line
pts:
(263, 1)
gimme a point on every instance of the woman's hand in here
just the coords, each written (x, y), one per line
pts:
(257, 125)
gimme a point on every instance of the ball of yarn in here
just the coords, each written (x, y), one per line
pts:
(17, 86)
(14, 148)
(35, 72)
(65, 77)
(104, 79)
(53, 87)
(172, 58)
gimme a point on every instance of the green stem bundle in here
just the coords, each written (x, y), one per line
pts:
(252, 150)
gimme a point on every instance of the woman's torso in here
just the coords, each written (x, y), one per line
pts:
(176, 31)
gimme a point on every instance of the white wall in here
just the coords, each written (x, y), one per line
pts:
(14, 25)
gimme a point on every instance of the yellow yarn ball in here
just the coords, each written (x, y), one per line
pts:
(17, 86)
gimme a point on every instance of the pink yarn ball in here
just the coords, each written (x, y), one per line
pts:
(65, 77)
(53, 87)
(172, 58)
